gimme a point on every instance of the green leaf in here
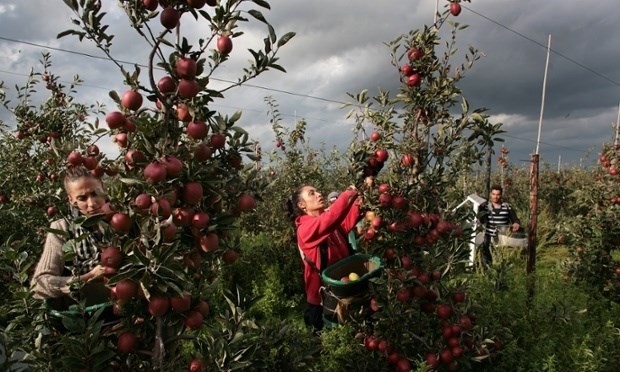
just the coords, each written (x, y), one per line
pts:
(73, 4)
(258, 15)
(131, 181)
(262, 3)
(272, 34)
(285, 38)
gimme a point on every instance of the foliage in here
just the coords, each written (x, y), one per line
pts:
(564, 328)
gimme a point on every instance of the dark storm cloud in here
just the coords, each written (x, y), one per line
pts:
(339, 49)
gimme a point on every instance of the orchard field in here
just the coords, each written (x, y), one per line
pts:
(205, 272)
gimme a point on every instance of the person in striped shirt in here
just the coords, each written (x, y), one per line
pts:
(496, 216)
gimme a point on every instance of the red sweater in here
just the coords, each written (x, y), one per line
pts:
(312, 231)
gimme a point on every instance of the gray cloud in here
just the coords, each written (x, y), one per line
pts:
(339, 49)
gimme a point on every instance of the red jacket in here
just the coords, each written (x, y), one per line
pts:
(312, 231)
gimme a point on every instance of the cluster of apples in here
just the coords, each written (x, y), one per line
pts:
(352, 277)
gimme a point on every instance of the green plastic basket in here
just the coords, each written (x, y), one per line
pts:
(95, 294)
(364, 265)
(74, 310)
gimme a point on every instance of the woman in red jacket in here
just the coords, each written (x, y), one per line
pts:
(322, 239)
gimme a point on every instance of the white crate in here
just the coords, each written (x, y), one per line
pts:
(517, 240)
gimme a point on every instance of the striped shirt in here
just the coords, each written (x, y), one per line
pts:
(499, 217)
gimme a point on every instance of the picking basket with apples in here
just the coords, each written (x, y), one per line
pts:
(349, 277)
(345, 286)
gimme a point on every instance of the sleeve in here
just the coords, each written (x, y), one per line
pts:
(311, 231)
(47, 281)
(352, 217)
(513, 215)
(483, 214)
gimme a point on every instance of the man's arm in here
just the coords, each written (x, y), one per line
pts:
(514, 220)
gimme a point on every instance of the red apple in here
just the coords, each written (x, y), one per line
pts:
(181, 304)
(183, 113)
(121, 222)
(111, 256)
(51, 211)
(230, 256)
(126, 289)
(444, 311)
(158, 305)
(415, 53)
(196, 4)
(194, 320)
(446, 356)
(195, 365)
(375, 136)
(134, 157)
(183, 216)
(385, 200)
(169, 232)
(186, 68)
(161, 208)
(414, 80)
(167, 85)
(92, 150)
(150, 4)
(382, 155)
(432, 360)
(403, 365)
(203, 152)
(173, 165)
(192, 193)
(131, 100)
(403, 295)
(218, 140)
(74, 158)
(203, 308)
(121, 139)
(209, 242)
(200, 220)
(455, 9)
(169, 18)
(224, 44)
(197, 130)
(155, 172)
(115, 119)
(188, 88)
(458, 297)
(407, 160)
(246, 203)
(90, 162)
(406, 70)
(126, 342)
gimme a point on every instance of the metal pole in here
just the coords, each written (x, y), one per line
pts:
(542, 106)
(617, 128)
(531, 235)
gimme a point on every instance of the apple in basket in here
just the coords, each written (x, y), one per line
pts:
(353, 277)
(345, 279)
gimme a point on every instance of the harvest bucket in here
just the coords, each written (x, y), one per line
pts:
(365, 266)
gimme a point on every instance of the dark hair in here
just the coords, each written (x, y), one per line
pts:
(75, 172)
(498, 188)
(291, 204)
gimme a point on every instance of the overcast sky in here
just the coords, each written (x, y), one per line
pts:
(339, 48)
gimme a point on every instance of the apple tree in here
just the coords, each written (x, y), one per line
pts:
(48, 127)
(416, 144)
(176, 191)
(592, 232)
